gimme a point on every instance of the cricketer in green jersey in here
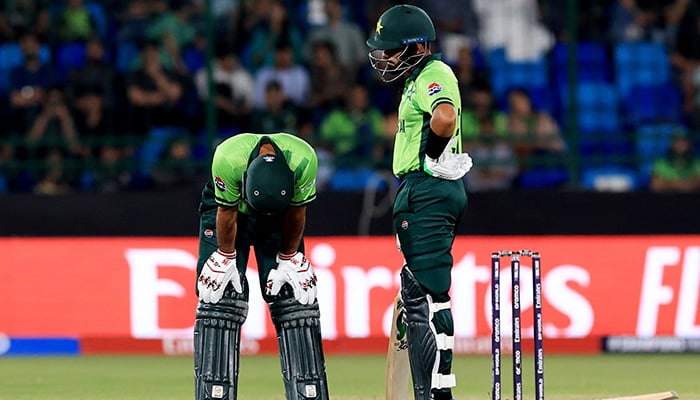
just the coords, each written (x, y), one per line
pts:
(257, 198)
(432, 198)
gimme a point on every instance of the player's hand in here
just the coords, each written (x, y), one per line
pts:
(218, 271)
(297, 272)
(449, 165)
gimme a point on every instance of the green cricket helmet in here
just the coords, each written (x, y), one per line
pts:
(398, 29)
(268, 184)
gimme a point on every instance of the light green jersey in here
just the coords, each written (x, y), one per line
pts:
(432, 83)
(233, 155)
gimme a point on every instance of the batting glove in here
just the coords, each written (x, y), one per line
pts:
(295, 270)
(219, 270)
(449, 166)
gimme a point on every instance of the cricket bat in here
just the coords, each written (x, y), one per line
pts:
(670, 395)
(397, 366)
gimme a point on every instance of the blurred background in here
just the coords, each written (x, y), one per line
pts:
(561, 98)
(582, 118)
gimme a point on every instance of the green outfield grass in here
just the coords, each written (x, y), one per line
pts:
(350, 377)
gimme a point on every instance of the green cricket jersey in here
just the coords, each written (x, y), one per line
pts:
(232, 157)
(432, 83)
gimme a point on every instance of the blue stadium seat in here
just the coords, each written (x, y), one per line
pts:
(593, 64)
(351, 179)
(640, 63)
(194, 59)
(10, 56)
(653, 103)
(71, 55)
(99, 17)
(519, 74)
(155, 145)
(542, 178)
(127, 53)
(609, 179)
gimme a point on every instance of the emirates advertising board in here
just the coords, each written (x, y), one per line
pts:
(91, 295)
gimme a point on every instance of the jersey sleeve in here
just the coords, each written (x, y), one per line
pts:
(434, 86)
(305, 180)
(227, 177)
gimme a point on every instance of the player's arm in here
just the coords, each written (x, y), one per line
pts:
(444, 120)
(226, 218)
(293, 229)
(442, 125)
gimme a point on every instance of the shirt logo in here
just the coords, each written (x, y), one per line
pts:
(220, 184)
(434, 88)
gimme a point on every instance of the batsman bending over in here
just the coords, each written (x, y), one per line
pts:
(258, 197)
(431, 199)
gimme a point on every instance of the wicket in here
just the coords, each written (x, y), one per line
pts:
(516, 339)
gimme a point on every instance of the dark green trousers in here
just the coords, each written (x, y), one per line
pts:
(427, 211)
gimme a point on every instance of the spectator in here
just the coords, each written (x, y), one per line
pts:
(267, 37)
(172, 29)
(329, 79)
(153, 92)
(111, 173)
(353, 132)
(233, 88)
(75, 23)
(640, 20)
(534, 132)
(481, 115)
(685, 59)
(21, 17)
(90, 92)
(346, 37)
(486, 139)
(679, 171)
(55, 120)
(467, 75)
(294, 78)
(278, 114)
(136, 17)
(456, 23)
(28, 85)
(55, 177)
(177, 167)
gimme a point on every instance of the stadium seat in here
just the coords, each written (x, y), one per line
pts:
(542, 178)
(609, 179)
(519, 74)
(127, 53)
(99, 18)
(351, 179)
(10, 56)
(593, 64)
(653, 104)
(194, 59)
(71, 55)
(640, 63)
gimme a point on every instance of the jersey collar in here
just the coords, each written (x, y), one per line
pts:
(422, 64)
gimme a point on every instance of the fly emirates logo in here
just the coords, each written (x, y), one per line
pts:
(356, 300)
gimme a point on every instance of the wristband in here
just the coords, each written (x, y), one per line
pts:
(286, 257)
(225, 254)
(435, 145)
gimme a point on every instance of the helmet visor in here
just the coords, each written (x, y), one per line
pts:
(392, 64)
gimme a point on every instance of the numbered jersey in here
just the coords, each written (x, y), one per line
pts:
(431, 84)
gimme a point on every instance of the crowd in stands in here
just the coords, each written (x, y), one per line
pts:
(112, 95)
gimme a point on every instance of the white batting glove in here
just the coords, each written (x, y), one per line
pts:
(218, 271)
(449, 166)
(297, 272)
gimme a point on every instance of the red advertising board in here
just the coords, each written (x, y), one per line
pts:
(143, 288)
